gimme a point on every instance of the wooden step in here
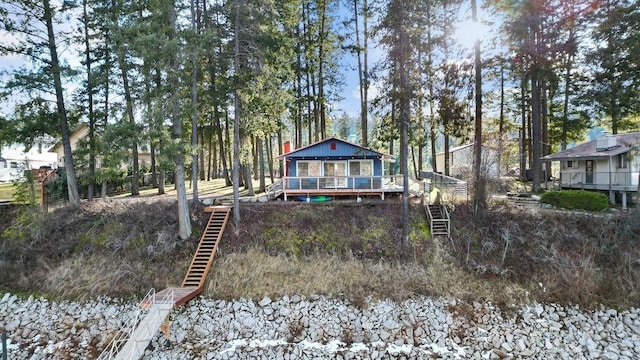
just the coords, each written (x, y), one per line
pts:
(202, 260)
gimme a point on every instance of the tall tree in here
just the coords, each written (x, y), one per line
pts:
(396, 37)
(194, 102)
(184, 221)
(362, 14)
(32, 24)
(478, 178)
(614, 58)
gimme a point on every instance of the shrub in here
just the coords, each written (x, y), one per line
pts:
(576, 199)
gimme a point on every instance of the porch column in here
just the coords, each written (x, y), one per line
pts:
(624, 200)
(612, 197)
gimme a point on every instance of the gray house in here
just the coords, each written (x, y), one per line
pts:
(610, 164)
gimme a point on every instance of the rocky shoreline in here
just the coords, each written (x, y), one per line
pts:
(317, 327)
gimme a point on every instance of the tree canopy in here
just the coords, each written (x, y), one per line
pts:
(253, 74)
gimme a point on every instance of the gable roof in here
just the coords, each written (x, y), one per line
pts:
(589, 151)
(305, 150)
(58, 145)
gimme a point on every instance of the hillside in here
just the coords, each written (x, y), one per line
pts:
(121, 248)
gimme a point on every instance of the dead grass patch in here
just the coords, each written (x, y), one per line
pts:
(506, 255)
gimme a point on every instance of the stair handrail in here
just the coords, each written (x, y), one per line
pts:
(450, 186)
(124, 333)
(274, 190)
(445, 211)
(430, 216)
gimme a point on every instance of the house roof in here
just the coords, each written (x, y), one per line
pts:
(457, 148)
(80, 127)
(301, 150)
(589, 151)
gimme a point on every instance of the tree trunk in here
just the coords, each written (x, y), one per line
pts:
(269, 143)
(259, 147)
(256, 158)
(447, 158)
(236, 117)
(523, 130)
(567, 93)
(90, 115)
(280, 150)
(321, 54)
(72, 187)
(194, 108)
(478, 176)
(184, 221)
(536, 131)
(501, 119)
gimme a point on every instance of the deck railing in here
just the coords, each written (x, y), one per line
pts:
(292, 183)
(598, 179)
(449, 188)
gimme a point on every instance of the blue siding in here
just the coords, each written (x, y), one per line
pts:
(342, 150)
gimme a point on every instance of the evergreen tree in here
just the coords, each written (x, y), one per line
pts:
(33, 25)
(615, 61)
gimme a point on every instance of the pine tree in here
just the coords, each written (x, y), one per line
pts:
(34, 23)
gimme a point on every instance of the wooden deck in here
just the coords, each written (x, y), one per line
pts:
(176, 296)
(342, 192)
(347, 186)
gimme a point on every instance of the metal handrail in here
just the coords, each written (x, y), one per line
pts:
(124, 333)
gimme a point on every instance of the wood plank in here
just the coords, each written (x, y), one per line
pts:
(207, 248)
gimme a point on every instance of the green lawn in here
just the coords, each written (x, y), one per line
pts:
(6, 191)
(215, 187)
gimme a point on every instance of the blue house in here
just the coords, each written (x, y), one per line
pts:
(334, 167)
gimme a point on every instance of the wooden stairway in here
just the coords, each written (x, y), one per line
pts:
(439, 219)
(203, 258)
(160, 304)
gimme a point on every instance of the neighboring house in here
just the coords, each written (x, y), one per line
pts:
(610, 163)
(461, 161)
(82, 131)
(79, 133)
(336, 167)
(15, 160)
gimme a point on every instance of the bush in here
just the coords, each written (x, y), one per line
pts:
(576, 199)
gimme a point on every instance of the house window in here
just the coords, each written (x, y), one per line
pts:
(13, 165)
(361, 168)
(333, 146)
(569, 164)
(337, 169)
(622, 161)
(308, 168)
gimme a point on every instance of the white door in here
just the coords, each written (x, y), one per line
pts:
(335, 173)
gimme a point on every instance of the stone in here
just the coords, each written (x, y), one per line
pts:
(265, 301)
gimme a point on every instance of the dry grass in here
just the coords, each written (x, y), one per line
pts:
(255, 274)
(507, 255)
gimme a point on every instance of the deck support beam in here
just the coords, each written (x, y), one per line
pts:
(624, 200)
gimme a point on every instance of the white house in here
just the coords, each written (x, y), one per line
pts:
(15, 160)
(81, 132)
(461, 161)
(610, 163)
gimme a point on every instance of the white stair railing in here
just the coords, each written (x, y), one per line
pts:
(131, 341)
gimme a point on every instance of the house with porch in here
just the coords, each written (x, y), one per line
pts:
(335, 167)
(610, 164)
